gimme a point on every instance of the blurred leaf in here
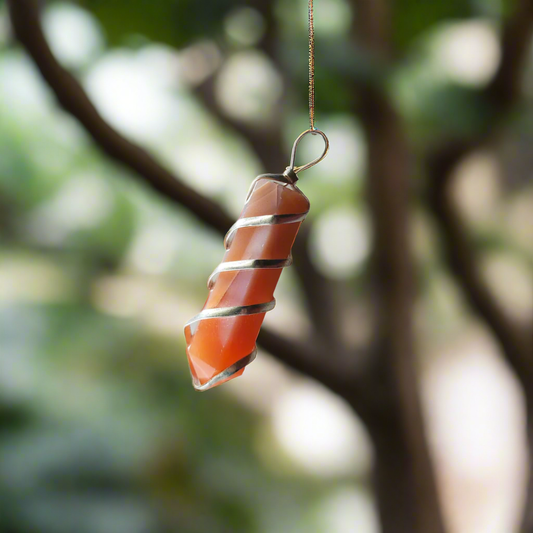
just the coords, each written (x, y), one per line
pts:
(173, 22)
(412, 18)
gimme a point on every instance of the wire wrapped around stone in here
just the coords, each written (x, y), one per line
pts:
(246, 264)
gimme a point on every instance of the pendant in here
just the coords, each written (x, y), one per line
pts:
(221, 339)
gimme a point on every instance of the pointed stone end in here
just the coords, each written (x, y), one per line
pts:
(203, 380)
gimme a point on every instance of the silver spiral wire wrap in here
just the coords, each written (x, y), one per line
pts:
(287, 179)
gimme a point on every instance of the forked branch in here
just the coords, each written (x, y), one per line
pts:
(503, 92)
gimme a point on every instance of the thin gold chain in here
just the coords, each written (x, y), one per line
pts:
(311, 65)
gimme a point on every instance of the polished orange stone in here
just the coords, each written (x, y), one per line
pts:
(215, 344)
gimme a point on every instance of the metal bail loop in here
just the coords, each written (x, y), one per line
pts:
(296, 169)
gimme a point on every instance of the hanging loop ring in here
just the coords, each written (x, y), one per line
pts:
(296, 169)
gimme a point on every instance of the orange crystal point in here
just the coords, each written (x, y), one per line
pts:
(219, 348)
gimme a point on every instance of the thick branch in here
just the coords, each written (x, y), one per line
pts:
(71, 96)
(311, 363)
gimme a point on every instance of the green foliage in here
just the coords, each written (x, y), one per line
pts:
(173, 22)
(412, 18)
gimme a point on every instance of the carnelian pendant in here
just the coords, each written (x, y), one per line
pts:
(221, 339)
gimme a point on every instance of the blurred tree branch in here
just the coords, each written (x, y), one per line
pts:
(72, 97)
(515, 338)
(503, 93)
(462, 259)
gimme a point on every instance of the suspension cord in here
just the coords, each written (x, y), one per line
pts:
(311, 66)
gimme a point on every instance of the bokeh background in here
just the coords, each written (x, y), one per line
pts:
(100, 429)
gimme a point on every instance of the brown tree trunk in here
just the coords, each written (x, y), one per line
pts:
(404, 478)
